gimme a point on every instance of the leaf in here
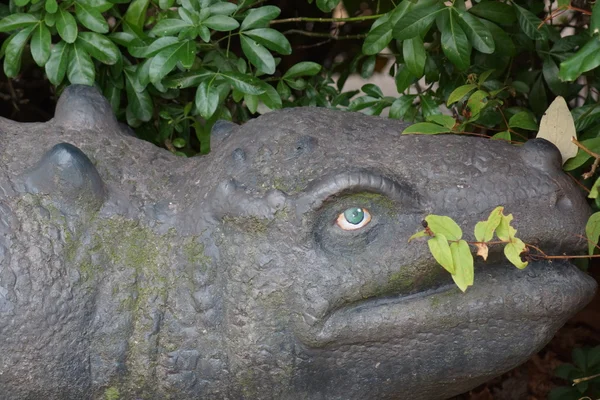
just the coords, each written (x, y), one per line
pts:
(523, 120)
(440, 250)
(482, 250)
(187, 54)
(479, 35)
(372, 90)
(51, 6)
(140, 49)
(455, 43)
(504, 231)
(592, 232)
(244, 83)
(581, 157)
(558, 128)
(81, 68)
(484, 230)
(66, 26)
(138, 103)
(165, 61)
(327, 5)
(136, 14)
(400, 106)
(40, 44)
(368, 67)
(56, 67)
(377, 39)
(537, 97)
(529, 23)
(17, 21)
(14, 51)
(419, 234)
(551, 73)
(251, 102)
(463, 264)
(443, 120)
(441, 224)
(425, 128)
(414, 55)
(259, 17)
(90, 17)
(595, 20)
(207, 99)
(504, 135)
(586, 59)
(271, 98)
(513, 251)
(304, 68)
(503, 43)
(169, 26)
(404, 78)
(495, 11)
(258, 55)
(476, 103)
(460, 92)
(221, 23)
(594, 190)
(271, 39)
(222, 8)
(416, 21)
(99, 47)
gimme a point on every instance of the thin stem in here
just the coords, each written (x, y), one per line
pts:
(310, 19)
(323, 35)
(596, 156)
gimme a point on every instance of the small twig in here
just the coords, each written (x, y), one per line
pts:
(310, 19)
(587, 378)
(324, 35)
(589, 241)
(553, 15)
(596, 156)
(581, 185)
(581, 10)
(13, 95)
(310, 46)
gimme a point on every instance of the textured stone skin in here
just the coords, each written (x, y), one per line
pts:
(127, 271)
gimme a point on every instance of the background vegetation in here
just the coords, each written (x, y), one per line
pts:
(171, 68)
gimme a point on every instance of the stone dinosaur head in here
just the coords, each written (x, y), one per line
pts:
(127, 270)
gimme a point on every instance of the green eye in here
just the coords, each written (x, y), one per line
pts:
(354, 215)
(353, 218)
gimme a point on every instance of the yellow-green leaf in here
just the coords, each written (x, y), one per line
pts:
(460, 92)
(513, 251)
(592, 231)
(440, 224)
(504, 231)
(463, 264)
(426, 128)
(438, 245)
(419, 234)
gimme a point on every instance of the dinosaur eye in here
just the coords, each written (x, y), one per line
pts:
(353, 218)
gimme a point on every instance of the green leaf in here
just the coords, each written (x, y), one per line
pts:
(537, 97)
(258, 55)
(513, 251)
(271, 98)
(259, 17)
(283, 90)
(113, 95)
(504, 231)
(139, 49)
(400, 106)
(251, 102)
(14, 51)
(462, 259)
(586, 59)
(17, 21)
(169, 27)
(595, 20)
(244, 83)
(304, 68)
(504, 45)
(221, 23)
(51, 6)
(136, 15)
(56, 67)
(368, 67)
(81, 68)
(441, 224)
(138, 103)
(404, 78)
(484, 230)
(455, 43)
(523, 120)
(495, 11)
(592, 231)
(327, 5)
(377, 39)
(419, 234)
(187, 79)
(443, 120)
(416, 21)
(594, 190)
(440, 250)
(504, 135)
(187, 54)
(271, 39)
(551, 75)
(66, 26)
(40, 44)
(429, 106)
(460, 92)
(207, 99)
(372, 90)
(529, 23)
(99, 47)
(90, 17)
(414, 55)
(582, 156)
(165, 61)
(426, 128)
(479, 35)
(222, 8)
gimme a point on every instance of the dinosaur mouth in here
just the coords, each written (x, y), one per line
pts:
(548, 293)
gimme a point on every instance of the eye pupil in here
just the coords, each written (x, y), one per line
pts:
(354, 215)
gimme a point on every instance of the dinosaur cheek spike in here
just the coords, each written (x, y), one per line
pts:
(69, 177)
